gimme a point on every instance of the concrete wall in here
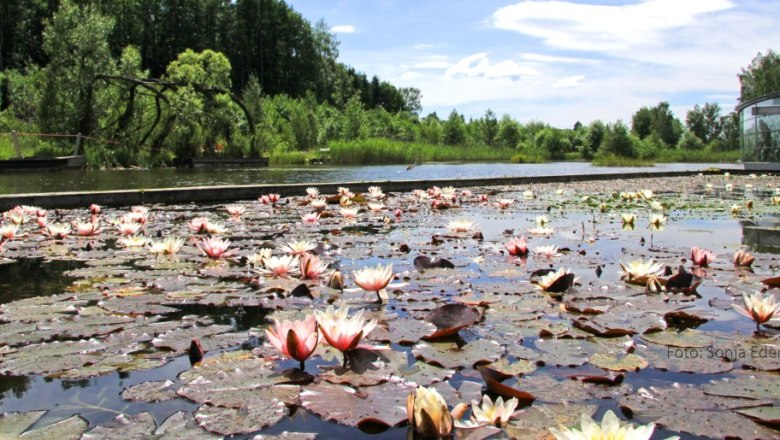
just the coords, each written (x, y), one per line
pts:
(248, 192)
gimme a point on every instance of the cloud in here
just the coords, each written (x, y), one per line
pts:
(551, 59)
(421, 46)
(588, 27)
(343, 29)
(411, 75)
(569, 82)
(479, 65)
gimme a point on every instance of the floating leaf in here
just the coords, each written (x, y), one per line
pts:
(767, 415)
(534, 423)
(494, 381)
(181, 426)
(68, 429)
(382, 404)
(749, 386)
(423, 263)
(451, 318)
(123, 426)
(13, 424)
(628, 362)
(150, 392)
(231, 421)
(450, 355)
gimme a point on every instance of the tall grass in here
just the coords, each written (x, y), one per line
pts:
(384, 151)
(276, 158)
(705, 155)
(612, 160)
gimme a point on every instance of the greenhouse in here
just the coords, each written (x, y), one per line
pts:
(760, 122)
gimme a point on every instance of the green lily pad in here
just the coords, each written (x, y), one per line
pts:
(612, 362)
(181, 425)
(13, 424)
(449, 355)
(231, 421)
(123, 426)
(157, 391)
(382, 404)
(68, 429)
(534, 423)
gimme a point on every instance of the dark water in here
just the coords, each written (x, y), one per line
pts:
(15, 183)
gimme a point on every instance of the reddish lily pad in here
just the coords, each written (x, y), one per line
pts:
(382, 404)
(402, 331)
(613, 324)
(451, 318)
(494, 381)
(423, 263)
(534, 423)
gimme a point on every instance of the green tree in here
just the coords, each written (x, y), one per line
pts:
(411, 99)
(454, 129)
(488, 125)
(431, 129)
(551, 141)
(76, 41)
(659, 120)
(593, 139)
(704, 122)
(760, 77)
(617, 141)
(508, 132)
(689, 141)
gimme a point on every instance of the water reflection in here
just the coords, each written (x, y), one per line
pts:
(761, 235)
(13, 385)
(96, 180)
(16, 281)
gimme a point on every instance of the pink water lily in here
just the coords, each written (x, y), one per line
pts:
(758, 308)
(312, 267)
(57, 230)
(279, 266)
(743, 259)
(295, 339)
(235, 210)
(86, 229)
(701, 257)
(8, 232)
(310, 218)
(375, 279)
(341, 331)
(94, 209)
(517, 247)
(128, 228)
(215, 248)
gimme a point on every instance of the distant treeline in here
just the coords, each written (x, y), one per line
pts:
(161, 80)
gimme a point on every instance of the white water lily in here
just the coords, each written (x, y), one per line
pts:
(495, 414)
(298, 247)
(542, 220)
(610, 429)
(349, 212)
(638, 271)
(461, 225)
(256, 260)
(169, 246)
(542, 230)
(547, 251)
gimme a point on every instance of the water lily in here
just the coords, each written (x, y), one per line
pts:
(638, 271)
(758, 308)
(542, 220)
(298, 247)
(504, 203)
(557, 281)
(610, 428)
(341, 331)
(547, 251)
(202, 225)
(310, 218)
(312, 267)
(427, 413)
(8, 232)
(132, 241)
(279, 266)
(235, 210)
(517, 247)
(657, 221)
(57, 230)
(256, 259)
(743, 259)
(398, 213)
(86, 229)
(345, 192)
(128, 228)
(269, 199)
(16, 217)
(462, 225)
(646, 194)
(349, 212)
(143, 210)
(136, 217)
(94, 209)
(312, 192)
(528, 194)
(215, 247)
(295, 339)
(375, 279)
(318, 204)
(736, 209)
(376, 207)
(541, 230)
(169, 246)
(495, 414)
(627, 218)
(448, 192)
(701, 257)
(375, 192)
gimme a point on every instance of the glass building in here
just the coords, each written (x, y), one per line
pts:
(759, 120)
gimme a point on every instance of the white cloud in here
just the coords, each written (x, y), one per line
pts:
(568, 82)
(432, 64)
(551, 59)
(343, 29)
(421, 46)
(411, 75)
(568, 25)
(479, 65)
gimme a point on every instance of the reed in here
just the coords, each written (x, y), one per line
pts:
(376, 151)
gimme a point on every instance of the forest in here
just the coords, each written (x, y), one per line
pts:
(155, 82)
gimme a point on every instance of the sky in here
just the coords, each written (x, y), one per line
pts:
(554, 61)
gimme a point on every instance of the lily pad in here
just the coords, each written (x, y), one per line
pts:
(13, 424)
(767, 415)
(231, 421)
(451, 318)
(181, 425)
(534, 423)
(382, 404)
(450, 355)
(628, 362)
(123, 426)
(68, 429)
(150, 392)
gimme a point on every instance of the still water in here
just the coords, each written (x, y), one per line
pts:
(95, 180)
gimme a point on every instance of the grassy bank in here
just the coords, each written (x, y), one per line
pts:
(385, 151)
(669, 156)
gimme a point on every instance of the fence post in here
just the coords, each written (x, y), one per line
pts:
(15, 140)
(77, 145)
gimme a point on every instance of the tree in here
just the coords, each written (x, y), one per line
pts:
(617, 141)
(761, 77)
(411, 97)
(488, 125)
(704, 122)
(454, 129)
(659, 120)
(508, 132)
(76, 41)
(552, 141)
(689, 141)
(593, 139)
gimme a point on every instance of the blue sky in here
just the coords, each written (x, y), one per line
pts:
(554, 61)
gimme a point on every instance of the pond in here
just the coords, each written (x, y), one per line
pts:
(95, 331)
(94, 180)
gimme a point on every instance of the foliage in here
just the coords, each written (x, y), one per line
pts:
(761, 76)
(617, 141)
(689, 141)
(659, 120)
(613, 160)
(385, 151)
(704, 122)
